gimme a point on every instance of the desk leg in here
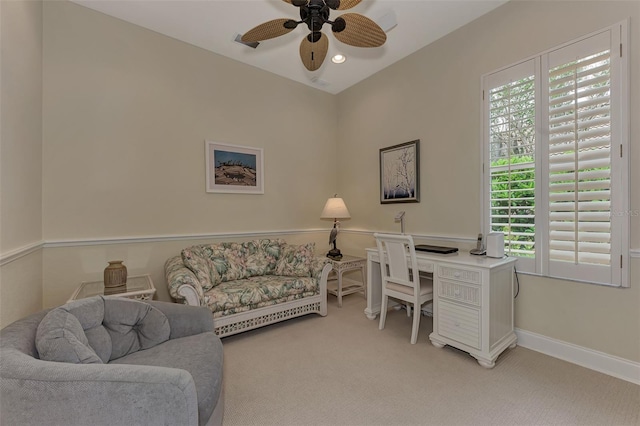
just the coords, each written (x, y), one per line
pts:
(374, 290)
(364, 281)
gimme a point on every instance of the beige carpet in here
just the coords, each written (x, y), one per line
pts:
(341, 370)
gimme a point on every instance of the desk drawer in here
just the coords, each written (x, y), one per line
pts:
(459, 323)
(425, 265)
(458, 274)
(462, 292)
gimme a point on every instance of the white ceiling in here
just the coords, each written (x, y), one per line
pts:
(214, 24)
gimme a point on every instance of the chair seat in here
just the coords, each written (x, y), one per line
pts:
(426, 287)
(187, 353)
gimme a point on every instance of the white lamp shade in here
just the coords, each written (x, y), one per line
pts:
(335, 209)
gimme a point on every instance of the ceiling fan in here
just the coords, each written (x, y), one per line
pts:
(350, 28)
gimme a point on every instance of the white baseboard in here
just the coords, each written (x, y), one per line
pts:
(585, 357)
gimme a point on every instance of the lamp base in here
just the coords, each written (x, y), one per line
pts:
(334, 254)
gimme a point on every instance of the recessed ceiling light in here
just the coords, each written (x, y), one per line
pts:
(338, 59)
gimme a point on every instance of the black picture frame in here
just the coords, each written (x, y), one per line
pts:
(400, 173)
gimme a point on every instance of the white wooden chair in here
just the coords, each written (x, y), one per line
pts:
(401, 280)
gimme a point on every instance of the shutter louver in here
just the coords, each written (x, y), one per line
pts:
(580, 161)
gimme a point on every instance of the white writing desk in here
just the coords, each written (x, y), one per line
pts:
(472, 301)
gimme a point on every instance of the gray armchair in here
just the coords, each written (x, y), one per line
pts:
(112, 361)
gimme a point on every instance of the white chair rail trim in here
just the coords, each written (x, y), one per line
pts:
(27, 249)
(20, 252)
(160, 238)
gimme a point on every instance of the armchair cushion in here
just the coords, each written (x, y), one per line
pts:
(134, 326)
(193, 354)
(97, 330)
(60, 338)
(295, 261)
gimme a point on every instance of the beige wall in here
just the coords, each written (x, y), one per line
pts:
(434, 96)
(126, 114)
(20, 157)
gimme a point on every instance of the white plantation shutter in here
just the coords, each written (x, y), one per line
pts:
(580, 159)
(556, 136)
(511, 133)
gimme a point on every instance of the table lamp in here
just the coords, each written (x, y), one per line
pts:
(335, 209)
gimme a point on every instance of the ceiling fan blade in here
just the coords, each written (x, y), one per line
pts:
(271, 29)
(313, 53)
(358, 30)
(348, 4)
(297, 3)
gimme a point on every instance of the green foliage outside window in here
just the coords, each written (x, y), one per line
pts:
(513, 203)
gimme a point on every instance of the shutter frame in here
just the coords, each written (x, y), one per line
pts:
(597, 195)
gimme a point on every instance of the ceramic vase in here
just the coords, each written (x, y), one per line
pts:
(115, 275)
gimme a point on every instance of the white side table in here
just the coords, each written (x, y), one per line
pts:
(139, 287)
(347, 263)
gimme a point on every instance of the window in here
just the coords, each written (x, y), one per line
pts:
(555, 132)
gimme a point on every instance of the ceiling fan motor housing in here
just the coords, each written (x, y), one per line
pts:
(314, 14)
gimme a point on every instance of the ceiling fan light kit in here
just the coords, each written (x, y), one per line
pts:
(350, 28)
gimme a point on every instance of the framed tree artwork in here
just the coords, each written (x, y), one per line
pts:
(400, 173)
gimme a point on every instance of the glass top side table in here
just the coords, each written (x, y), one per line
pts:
(138, 287)
(347, 263)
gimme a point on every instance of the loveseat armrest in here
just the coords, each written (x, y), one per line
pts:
(182, 283)
(320, 269)
(36, 392)
(317, 265)
(185, 320)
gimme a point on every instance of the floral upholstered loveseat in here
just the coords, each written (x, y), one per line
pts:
(250, 284)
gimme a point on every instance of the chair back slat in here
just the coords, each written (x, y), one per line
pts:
(395, 248)
(397, 258)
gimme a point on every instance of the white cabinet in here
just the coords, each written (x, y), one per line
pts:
(473, 309)
(472, 301)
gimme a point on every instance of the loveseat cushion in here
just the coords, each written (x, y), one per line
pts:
(61, 338)
(199, 262)
(295, 261)
(227, 261)
(262, 256)
(255, 292)
(216, 263)
(201, 355)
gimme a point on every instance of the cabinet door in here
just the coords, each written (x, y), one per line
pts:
(459, 323)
